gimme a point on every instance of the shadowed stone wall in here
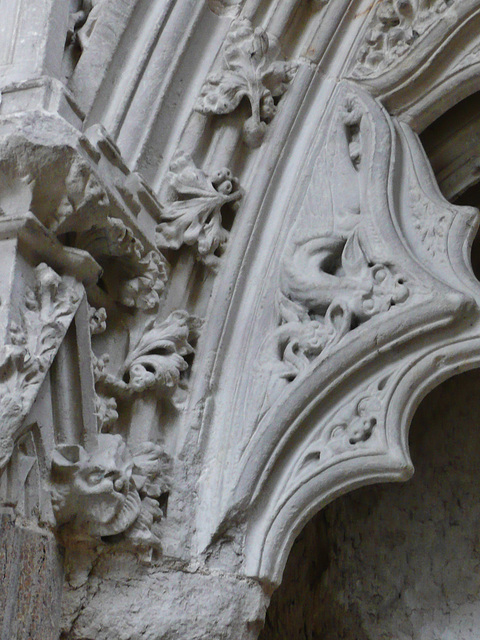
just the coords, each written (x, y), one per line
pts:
(397, 561)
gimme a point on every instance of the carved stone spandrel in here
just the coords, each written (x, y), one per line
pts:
(357, 284)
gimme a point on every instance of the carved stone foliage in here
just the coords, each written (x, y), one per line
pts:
(349, 429)
(329, 286)
(139, 277)
(395, 27)
(332, 283)
(156, 357)
(33, 340)
(193, 213)
(111, 493)
(250, 68)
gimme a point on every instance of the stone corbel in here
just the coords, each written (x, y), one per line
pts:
(80, 190)
(110, 493)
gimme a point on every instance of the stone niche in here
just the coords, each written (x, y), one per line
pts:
(396, 561)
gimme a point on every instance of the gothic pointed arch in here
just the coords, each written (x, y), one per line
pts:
(229, 277)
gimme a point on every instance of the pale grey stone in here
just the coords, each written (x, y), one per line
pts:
(177, 425)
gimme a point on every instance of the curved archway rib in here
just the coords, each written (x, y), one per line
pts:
(425, 64)
(375, 288)
(371, 275)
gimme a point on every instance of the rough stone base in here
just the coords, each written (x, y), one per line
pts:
(134, 603)
(31, 589)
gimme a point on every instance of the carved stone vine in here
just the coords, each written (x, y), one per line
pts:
(139, 277)
(250, 68)
(31, 345)
(329, 286)
(192, 214)
(395, 27)
(156, 357)
(112, 492)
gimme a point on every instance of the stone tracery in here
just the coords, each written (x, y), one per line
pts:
(344, 283)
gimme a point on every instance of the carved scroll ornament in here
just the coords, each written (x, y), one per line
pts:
(250, 68)
(156, 357)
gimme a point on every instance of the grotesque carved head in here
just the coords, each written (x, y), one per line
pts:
(95, 490)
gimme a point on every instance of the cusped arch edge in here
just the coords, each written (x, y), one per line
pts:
(270, 536)
(300, 457)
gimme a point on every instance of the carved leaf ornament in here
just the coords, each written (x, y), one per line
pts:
(143, 290)
(193, 215)
(158, 358)
(155, 361)
(395, 26)
(250, 68)
(139, 277)
(48, 310)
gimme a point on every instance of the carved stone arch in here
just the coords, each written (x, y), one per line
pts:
(285, 486)
(460, 237)
(436, 67)
(276, 279)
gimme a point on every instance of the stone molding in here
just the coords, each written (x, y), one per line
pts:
(259, 277)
